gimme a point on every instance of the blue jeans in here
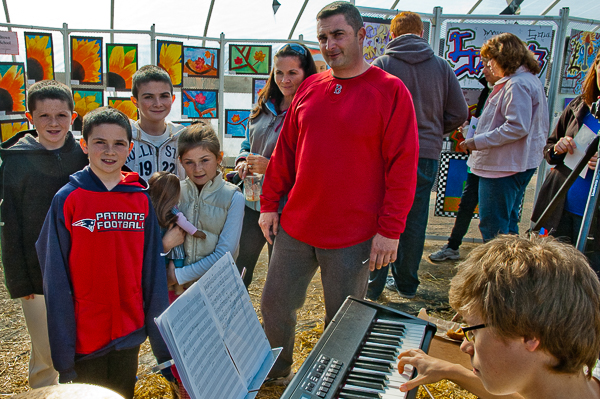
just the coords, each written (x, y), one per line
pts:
(466, 209)
(410, 250)
(499, 202)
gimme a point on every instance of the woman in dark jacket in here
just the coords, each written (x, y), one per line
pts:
(566, 220)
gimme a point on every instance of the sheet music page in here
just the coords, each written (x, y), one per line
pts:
(208, 370)
(236, 318)
(582, 139)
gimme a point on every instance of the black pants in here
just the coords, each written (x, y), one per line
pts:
(116, 371)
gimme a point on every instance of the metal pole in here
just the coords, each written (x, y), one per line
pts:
(437, 29)
(557, 62)
(298, 18)
(153, 44)
(212, 3)
(66, 51)
(395, 4)
(8, 22)
(112, 20)
(220, 109)
(548, 9)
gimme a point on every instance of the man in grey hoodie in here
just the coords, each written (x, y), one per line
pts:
(440, 108)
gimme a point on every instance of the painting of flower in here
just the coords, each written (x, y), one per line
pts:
(170, 58)
(86, 101)
(86, 60)
(122, 64)
(11, 127)
(200, 103)
(200, 62)
(236, 122)
(249, 60)
(257, 86)
(12, 87)
(40, 56)
(125, 105)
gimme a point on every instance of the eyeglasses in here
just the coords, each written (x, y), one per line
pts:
(468, 331)
(296, 48)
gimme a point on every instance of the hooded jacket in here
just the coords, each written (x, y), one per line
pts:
(439, 102)
(104, 278)
(30, 175)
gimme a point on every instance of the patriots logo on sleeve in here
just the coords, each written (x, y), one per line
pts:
(87, 223)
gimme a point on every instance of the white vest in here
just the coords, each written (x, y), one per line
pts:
(207, 210)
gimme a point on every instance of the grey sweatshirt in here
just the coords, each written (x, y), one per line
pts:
(439, 102)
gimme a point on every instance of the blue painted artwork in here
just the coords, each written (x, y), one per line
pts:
(236, 122)
(199, 103)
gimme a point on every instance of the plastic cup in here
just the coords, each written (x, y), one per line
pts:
(252, 187)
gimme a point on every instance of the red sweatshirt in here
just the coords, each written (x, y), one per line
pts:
(347, 156)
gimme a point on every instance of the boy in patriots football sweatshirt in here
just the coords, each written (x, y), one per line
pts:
(103, 276)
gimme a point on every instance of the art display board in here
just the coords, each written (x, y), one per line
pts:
(12, 88)
(452, 176)
(199, 103)
(250, 59)
(216, 340)
(86, 60)
(121, 64)
(200, 62)
(236, 122)
(170, 58)
(125, 105)
(86, 101)
(464, 40)
(40, 56)
(10, 127)
(582, 50)
(257, 85)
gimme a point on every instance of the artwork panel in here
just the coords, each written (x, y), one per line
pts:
(200, 62)
(200, 103)
(170, 58)
(472, 98)
(236, 122)
(13, 126)
(183, 123)
(86, 60)
(125, 105)
(40, 56)
(463, 42)
(452, 176)
(377, 37)
(86, 101)
(249, 60)
(12, 88)
(121, 64)
(319, 60)
(257, 85)
(582, 50)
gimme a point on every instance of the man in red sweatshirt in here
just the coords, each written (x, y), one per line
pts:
(347, 159)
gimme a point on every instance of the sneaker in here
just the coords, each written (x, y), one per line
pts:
(390, 284)
(279, 381)
(445, 253)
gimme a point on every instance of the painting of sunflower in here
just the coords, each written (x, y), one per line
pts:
(86, 101)
(200, 103)
(12, 127)
(122, 64)
(236, 121)
(200, 62)
(12, 87)
(170, 58)
(249, 60)
(86, 60)
(40, 56)
(125, 105)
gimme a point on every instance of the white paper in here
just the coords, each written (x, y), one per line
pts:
(582, 140)
(472, 127)
(241, 330)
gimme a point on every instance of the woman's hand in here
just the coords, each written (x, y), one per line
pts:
(593, 161)
(565, 144)
(172, 238)
(468, 144)
(257, 164)
(242, 169)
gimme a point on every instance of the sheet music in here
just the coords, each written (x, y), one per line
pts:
(236, 318)
(208, 370)
(582, 140)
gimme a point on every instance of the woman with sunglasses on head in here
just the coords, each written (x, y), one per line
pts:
(292, 64)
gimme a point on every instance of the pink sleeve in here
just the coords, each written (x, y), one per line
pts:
(185, 224)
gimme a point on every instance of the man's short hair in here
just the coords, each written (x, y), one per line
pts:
(406, 22)
(102, 116)
(49, 90)
(348, 10)
(149, 73)
(536, 288)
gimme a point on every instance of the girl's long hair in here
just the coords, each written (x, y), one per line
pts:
(164, 192)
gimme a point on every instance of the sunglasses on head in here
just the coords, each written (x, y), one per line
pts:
(296, 48)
